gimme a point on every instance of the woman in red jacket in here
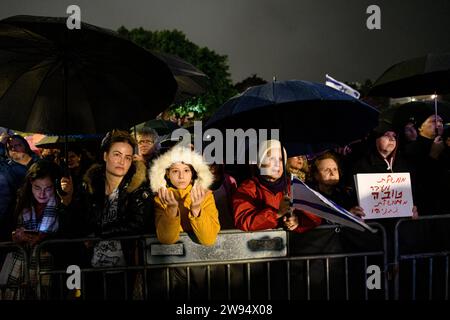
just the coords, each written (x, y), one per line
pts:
(261, 203)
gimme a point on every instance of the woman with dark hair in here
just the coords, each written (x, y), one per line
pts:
(37, 217)
(78, 163)
(115, 201)
(115, 194)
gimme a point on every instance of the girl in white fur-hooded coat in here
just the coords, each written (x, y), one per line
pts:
(183, 203)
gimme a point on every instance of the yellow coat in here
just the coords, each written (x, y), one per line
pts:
(205, 227)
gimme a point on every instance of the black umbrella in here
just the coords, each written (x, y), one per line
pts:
(191, 81)
(308, 114)
(428, 74)
(61, 81)
(414, 111)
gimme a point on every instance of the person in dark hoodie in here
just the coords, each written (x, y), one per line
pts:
(383, 156)
(116, 201)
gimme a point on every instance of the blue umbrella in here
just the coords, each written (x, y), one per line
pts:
(310, 115)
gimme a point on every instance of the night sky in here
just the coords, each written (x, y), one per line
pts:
(289, 39)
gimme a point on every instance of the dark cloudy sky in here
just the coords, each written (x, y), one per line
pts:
(289, 39)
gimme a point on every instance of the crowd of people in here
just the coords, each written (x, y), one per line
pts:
(136, 187)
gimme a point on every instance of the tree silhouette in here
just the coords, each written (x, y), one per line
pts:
(248, 82)
(215, 66)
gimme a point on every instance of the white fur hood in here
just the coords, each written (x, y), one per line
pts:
(175, 155)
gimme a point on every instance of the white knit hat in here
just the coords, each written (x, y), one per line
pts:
(264, 147)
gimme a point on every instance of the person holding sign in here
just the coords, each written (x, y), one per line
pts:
(261, 202)
(383, 156)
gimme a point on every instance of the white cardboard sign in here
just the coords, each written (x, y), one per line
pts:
(384, 195)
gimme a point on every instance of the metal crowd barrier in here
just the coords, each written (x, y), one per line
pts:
(241, 265)
(422, 262)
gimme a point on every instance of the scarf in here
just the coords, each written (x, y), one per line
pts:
(47, 222)
(275, 186)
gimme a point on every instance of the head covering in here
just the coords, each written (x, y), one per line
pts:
(421, 116)
(179, 154)
(264, 147)
(383, 127)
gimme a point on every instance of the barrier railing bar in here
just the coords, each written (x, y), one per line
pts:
(269, 293)
(208, 278)
(327, 273)
(308, 280)
(430, 282)
(346, 280)
(249, 294)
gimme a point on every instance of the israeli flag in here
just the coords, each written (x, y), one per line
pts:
(305, 198)
(341, 87)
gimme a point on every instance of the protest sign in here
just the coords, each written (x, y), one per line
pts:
(384, 195)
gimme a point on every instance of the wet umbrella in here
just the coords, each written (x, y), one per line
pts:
(398, 116)
(428, 74)
(191, 81)
(306, 113)
(61, 81)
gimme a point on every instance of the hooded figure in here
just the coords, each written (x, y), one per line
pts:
(183, 203)
(383, 154)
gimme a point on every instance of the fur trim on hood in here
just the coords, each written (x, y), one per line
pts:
(137, 170)
(175, 155)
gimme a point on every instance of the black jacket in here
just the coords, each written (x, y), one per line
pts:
(135, 206)
(433, 188)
